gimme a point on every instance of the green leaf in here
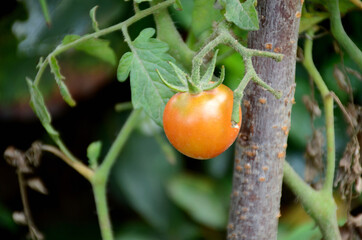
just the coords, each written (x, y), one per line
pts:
(200, 198)
(37, 102)
(148, 91)
(55, 69)
(93, 152)
(95, 47)
(38, 106)
(124, 66)
(92, 14)
(243, 15)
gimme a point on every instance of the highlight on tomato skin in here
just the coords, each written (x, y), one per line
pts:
(199, 125)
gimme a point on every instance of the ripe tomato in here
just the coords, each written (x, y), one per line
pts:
(199, 125)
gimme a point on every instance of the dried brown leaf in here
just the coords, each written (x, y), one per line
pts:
(33, 154)
(341, 79)
(349, 171)
(16, 158)
(37, 185)
(311, 105)
(19, 218)
(314, 156)
(357, 74)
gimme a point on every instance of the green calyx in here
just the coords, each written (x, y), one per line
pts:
(194, 87)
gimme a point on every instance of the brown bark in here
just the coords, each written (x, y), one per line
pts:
(261, 145)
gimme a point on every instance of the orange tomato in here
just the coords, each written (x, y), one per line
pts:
(199, 125)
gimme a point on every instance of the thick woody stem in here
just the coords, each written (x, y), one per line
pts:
(261, 145)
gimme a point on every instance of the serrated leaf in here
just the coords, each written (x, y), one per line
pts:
(124, 66)
(200, 198)
(93, 153)
(243, 15)
(95, 47)
(37, 102)
(92, 14)
(55, 69)
(148, 91)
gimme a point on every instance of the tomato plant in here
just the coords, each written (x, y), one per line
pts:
(199, 125)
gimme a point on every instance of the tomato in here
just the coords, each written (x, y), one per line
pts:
(199, 125)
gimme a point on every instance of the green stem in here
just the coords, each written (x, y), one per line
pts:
(318, 204)
(340, 35)
(110, 158)
(101, 175)
(198, 58)
(328, 108)
(223, 36)
(238, 96)
(44, 8)
(100, 197)
(62, 48)
(80, 167)
(167, 32)
(123, 106)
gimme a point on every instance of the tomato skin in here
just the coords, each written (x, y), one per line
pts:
(199, 125)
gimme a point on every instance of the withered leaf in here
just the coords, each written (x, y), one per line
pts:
(37, 185)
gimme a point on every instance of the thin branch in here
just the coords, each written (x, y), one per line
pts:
(34, 232)
(340, 35)
(99, 180)
(62, 48)
(328, 109)
(77, 165)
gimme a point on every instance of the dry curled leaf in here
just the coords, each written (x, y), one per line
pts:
(352, 229)
(341, 79)
(37, 185)
(355, 73)
(314, 156)
(311, 105)
(33, 154)
(16, 158)
(19, 218)
(350, 170)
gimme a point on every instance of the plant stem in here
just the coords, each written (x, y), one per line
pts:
(167, 32)
(101, 175)
(76, 164)
(33, 231)
(123, 106)
(100, 197)
(223, 36)
(44, 8)
(62, 48)
(340, 35)
(328, 108)
(117, 145)
(198, 58)
(318, 204)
